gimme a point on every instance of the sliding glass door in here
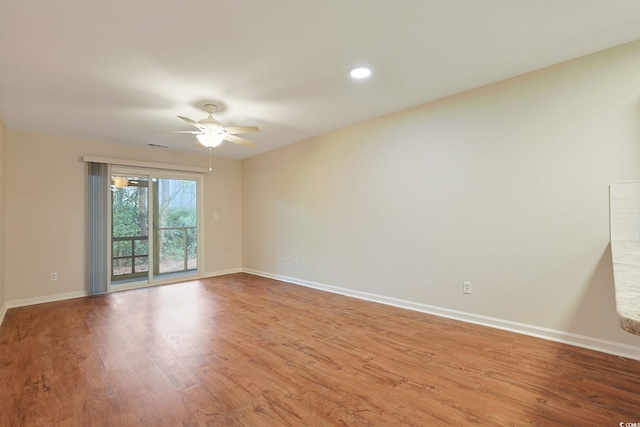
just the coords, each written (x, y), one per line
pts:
(154, 226)
(129, 228)
(175, 226)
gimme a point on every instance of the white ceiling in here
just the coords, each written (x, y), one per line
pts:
(118, 70)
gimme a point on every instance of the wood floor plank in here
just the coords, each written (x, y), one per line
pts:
(241, 350)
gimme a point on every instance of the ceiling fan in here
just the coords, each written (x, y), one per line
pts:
(211, 133)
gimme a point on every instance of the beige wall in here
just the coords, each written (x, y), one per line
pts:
(46, 211)
(505, 186)
(2, 214)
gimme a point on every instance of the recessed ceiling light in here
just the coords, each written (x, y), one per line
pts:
(360, 72)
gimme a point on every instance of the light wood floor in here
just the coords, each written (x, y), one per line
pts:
(247, 351)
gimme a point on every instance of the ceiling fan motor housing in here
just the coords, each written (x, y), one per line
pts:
(210, 123)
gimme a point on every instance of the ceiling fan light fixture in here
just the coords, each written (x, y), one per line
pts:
(120, 182)
(360, 72)
(210, 140)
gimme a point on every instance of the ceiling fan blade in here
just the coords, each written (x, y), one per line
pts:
(241, 129)
(241, 141)
(192, 122)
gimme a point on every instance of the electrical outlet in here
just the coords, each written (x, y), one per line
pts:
(295, 261)
(54, 276)
(466, 287)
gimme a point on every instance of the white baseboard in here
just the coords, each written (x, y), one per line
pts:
(223, 272)
(45, 299)
(604, 346)
(3, 311)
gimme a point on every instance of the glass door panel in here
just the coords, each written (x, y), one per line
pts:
(175, 226)
(129, 228)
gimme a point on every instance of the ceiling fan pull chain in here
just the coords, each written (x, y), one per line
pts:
(210, 149)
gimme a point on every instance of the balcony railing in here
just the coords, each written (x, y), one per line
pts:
(170, 259)
(124, 266)
(131, 259)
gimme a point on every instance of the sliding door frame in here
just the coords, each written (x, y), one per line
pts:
(150, 174)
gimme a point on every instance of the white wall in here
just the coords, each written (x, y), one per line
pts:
(2, 223)
(506, 186)
(46, 211)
